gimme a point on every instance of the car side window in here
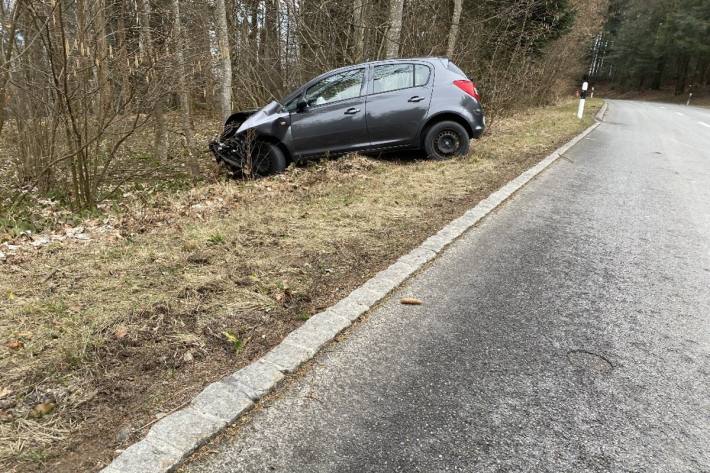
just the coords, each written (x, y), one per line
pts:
(390, 77)
(346, 85)
(421, 75)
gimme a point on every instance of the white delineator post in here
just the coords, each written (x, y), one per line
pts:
(582, 99)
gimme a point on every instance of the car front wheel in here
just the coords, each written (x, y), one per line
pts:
(266, 159)
(445, 140)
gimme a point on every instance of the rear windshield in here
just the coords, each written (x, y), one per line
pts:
(455, 69)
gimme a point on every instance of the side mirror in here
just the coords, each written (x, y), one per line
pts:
(301, 106)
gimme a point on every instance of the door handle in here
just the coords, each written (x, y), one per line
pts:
(352, 111)
(416, 98)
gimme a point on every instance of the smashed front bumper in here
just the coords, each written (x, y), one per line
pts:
(230, 148)
(230, 152)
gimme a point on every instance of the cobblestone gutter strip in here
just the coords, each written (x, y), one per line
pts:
(171, 440)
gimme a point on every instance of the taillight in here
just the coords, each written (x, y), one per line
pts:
(468, 87)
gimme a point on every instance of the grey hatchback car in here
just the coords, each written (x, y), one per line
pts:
(423, 104)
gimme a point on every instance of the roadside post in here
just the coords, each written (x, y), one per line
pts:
(690, 97)
(582, 98)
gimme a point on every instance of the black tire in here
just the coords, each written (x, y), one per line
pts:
(267, 159)
(444, 140)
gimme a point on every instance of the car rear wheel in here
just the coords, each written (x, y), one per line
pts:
(266, 159)
(445, 140)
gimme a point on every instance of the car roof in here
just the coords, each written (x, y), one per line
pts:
(430, 59)
(380, 61)
(395, 60)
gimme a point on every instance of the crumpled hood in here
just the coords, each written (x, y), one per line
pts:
(268, 113)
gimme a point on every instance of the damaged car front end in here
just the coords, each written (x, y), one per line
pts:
(252, 142)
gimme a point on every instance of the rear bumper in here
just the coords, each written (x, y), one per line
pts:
(476, 119)
(478, 127)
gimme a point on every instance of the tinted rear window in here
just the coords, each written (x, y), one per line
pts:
(455, 69)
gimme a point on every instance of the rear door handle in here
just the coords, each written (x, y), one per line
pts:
(352, 111)
(416, 98)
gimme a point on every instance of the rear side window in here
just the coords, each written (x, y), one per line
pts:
(455, 69)
(390, 77)
(421, 75)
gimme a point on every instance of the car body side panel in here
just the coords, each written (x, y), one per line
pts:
(333, 128)
(393, 120)
(329, 129)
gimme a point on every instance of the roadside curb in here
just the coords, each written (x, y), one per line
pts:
(173, 438)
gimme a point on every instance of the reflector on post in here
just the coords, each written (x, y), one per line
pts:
(582, 99)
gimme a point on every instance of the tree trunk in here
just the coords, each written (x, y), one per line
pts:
(658, 74)
(271, 56)
(454, 30)
(359, 30)
(183, 91)
(101, 59)
(225, 60)
(122, 61)
(394, 31)
(254, 30)
(7, 56)
(145, 47)
(681, 75)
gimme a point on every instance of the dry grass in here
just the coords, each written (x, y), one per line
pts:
(117, 330)
(134, 171)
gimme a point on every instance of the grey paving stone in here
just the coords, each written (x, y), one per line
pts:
(477, 213)
(349, 308)
(145, 456)
(365, 296)
(328, 322)
(497, 198)
(185, 430)
(287, 357)
(417, 257)
(257, 378)
(223, 401)
(435, 243)
(464, 222)
(381, 284)
(308, 339)
(397, 272)
(451, 233)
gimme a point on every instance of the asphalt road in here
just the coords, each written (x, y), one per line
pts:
(569, 332)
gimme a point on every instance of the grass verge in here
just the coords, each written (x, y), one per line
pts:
(102, 338)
